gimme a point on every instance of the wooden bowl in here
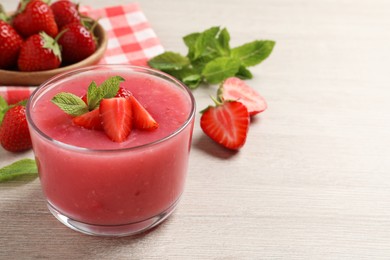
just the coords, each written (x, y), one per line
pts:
(35, 78)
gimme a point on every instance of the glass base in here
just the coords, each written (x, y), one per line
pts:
(112, 230)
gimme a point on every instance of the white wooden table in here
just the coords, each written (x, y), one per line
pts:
(313, 180)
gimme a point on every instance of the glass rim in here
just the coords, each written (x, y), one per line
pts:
(133, 68)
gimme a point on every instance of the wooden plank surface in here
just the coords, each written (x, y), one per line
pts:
(313, 180)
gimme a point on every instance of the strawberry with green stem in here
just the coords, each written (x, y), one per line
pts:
(39, 52)
(34, 16)
(14, 132)
(77, 42)
(10, 42)
(65, 12)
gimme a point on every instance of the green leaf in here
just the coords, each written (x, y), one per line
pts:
(70, 103)
(253, 53)
(211, 59)
(211, 44)
(3, 108)
(169, 61)
(93, 96)
(199, 64)
(189, 76)
(223, 42)
(244, 73)
(220, 69)
(75, 106)
(192, 81)
(205, 45)
(17, 169)
(109, 88)
(190, 41)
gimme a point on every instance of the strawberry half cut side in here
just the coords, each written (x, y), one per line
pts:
(227, 124)
(141, 117)
(90, 120)
(236, 89)
(116, 117)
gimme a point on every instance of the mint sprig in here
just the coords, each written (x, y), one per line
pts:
(75, 106)
(70, 103)
(24, 167)
(210, 59)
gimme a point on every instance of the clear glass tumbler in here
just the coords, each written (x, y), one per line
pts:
(100, 187)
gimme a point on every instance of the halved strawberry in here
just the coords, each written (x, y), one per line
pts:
(116, 116)
(236, 89)
(227, 124)
(142, 119)
(90, 120)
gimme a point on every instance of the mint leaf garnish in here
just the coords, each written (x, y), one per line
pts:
(17, 169)
(75, 106)
(210, 59)
(220, 69)
(70, 103)
(93, 96)
(254, 52)
(109, 88)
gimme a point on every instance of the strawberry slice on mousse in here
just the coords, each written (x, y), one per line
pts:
(116, 116)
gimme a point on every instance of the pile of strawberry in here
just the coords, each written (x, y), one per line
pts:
(227, 123)
(43, 36)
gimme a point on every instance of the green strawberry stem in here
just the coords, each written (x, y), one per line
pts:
(3, 15)
(4, 107)
(59, 35)
(217, 101)
(90, 24)
(51, 44)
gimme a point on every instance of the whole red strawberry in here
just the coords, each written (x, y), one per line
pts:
(33, 17)
(65, 12)
(14, 133)
(39, 52)
(77, 43)
(10, 42)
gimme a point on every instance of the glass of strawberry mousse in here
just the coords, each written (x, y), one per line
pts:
(100, 187)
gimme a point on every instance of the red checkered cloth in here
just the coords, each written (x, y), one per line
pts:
(131, 40)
